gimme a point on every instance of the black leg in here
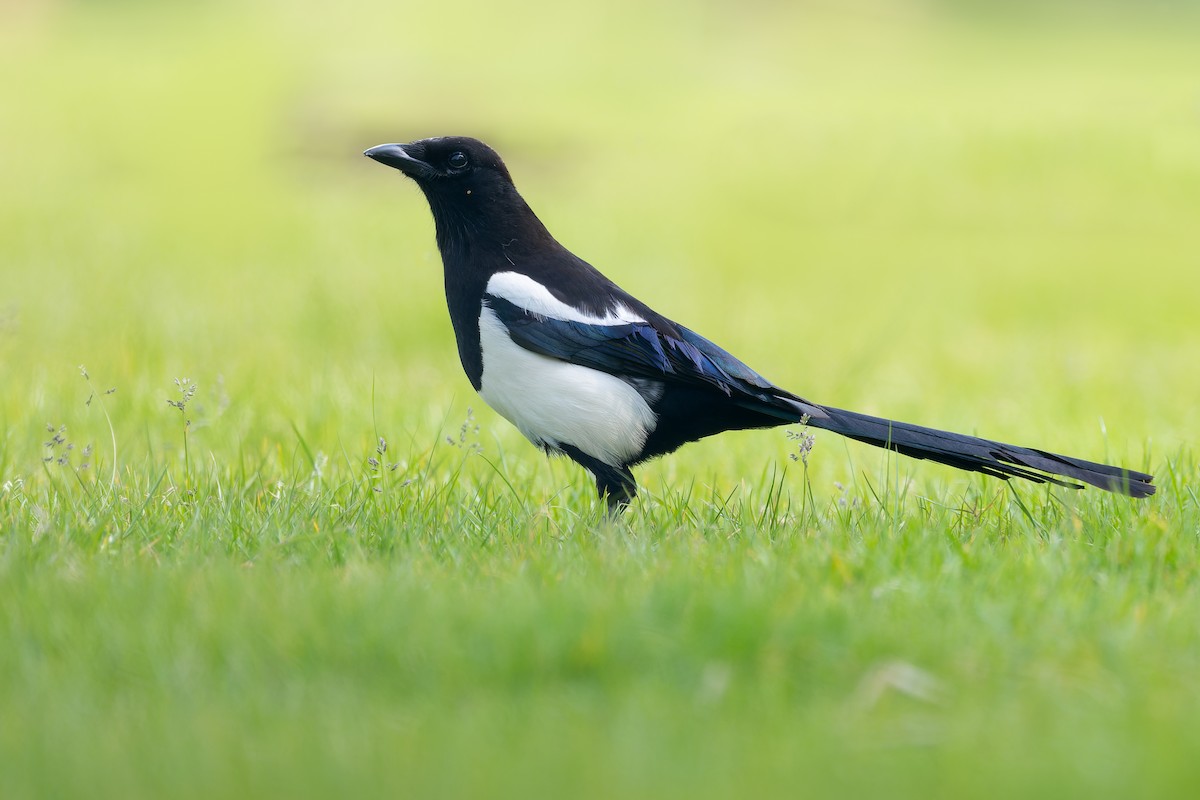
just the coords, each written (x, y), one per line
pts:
(615, 484)
(618, 488)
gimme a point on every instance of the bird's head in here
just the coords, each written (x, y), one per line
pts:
(446, 165)
(475, 205)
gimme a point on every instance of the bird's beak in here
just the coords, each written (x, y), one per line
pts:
(398, 156)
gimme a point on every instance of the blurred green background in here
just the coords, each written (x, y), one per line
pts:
(970, 214)
(975, 215)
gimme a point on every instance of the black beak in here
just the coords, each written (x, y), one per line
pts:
(398, 157)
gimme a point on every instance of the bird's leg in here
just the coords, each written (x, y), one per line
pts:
(615, 484)
(618, 489)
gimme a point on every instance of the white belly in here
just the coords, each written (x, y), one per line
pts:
(555, 403)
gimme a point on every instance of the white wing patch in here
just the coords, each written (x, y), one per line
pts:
(525, 292)
(553, 402)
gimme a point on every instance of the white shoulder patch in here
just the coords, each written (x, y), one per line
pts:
(525, 292)
(555, 403)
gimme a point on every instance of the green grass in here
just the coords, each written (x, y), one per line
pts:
(969, 216)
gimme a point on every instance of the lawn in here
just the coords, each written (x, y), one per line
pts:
(259, 538)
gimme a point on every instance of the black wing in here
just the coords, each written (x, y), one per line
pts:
(656, 351)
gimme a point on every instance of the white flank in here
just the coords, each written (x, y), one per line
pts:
(555, 403)
(524, 291)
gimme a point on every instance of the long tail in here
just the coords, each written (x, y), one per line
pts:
(981, 455)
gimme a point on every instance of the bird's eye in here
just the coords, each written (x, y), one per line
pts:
(457, 160)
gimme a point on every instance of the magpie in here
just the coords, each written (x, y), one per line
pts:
(584, 369)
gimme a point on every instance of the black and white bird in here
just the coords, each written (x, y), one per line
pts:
(585, 369)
